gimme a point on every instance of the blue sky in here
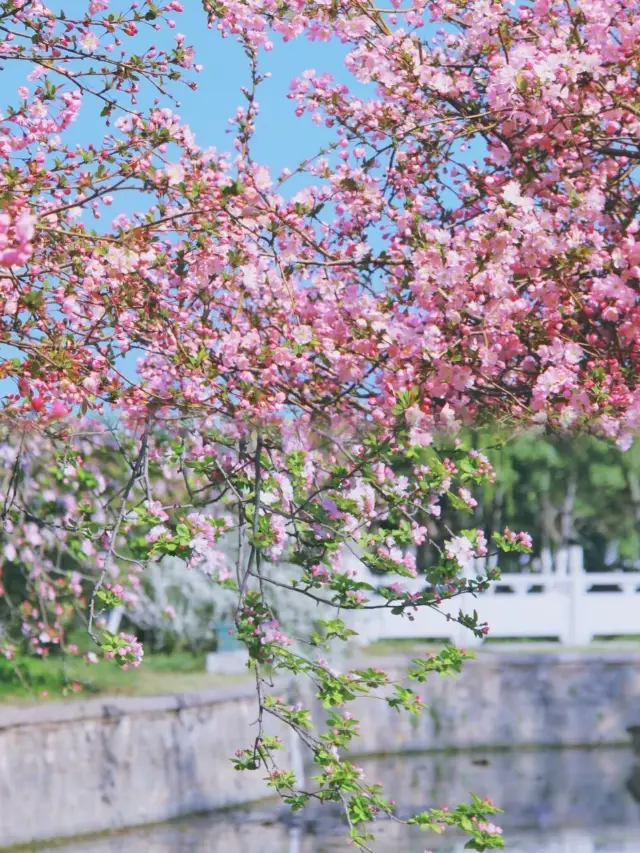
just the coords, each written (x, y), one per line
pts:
(281, 138)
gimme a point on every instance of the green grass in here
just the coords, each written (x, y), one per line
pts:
(404, 647)
(623, 638)
(29, 679)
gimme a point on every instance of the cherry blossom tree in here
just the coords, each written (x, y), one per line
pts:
(463, 250)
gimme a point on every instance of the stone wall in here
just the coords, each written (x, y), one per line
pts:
(514, 699)
(81, 767)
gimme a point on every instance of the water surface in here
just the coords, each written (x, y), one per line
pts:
(555, 801)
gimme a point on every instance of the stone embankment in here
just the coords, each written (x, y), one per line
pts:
(80, 767)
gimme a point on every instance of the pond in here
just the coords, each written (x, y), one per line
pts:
(555, 801)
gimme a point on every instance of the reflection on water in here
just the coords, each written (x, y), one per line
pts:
(555, 801)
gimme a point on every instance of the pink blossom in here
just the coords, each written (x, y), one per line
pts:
(513, 194)
(89, 42)
(59, 410)
(460, 549)
(175, 173)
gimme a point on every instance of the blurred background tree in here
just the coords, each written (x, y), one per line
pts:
(564, 490)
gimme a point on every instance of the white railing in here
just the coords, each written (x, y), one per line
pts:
(556, 603)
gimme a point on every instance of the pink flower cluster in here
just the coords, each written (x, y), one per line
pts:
(16, 236)
(520, 538)
(129, 651)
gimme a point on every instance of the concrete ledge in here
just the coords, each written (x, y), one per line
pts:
(522, 654)
(14, 716)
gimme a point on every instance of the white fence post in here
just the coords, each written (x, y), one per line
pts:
(579, 631)
(561, 562)
(546, 561)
